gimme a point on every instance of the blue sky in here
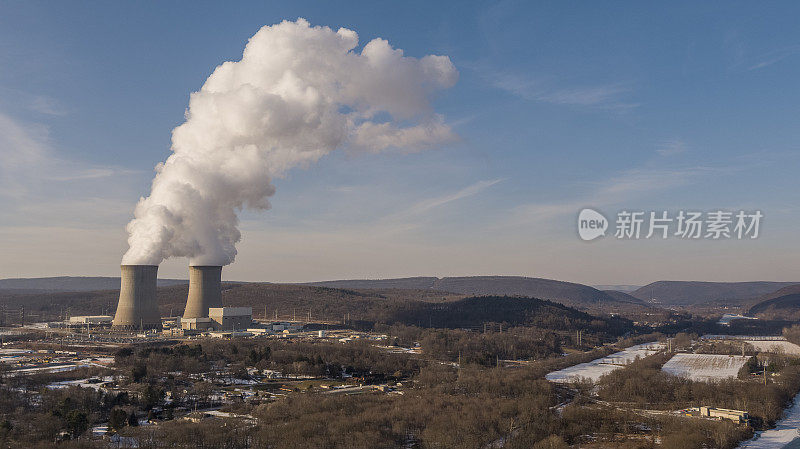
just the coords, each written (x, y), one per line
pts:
(559, 106)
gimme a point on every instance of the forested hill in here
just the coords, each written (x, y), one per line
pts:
(472, 312)
(564, 292)
(623, 296)
(696, 292)
(569, 293)
(426, 308)
(783, 304)
(69, 284)
(785, 307)
(790, 290)
(420, 283)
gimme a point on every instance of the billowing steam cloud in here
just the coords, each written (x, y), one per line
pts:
(298, 93)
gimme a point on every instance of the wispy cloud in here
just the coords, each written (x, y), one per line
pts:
(28, 162)
(775, 56)
(623, 186)
(368, 211)
(77, 174)
(540, 90)
(672, 147)
(429, 204)
(46, 105)
(643, 180)
(22, 150)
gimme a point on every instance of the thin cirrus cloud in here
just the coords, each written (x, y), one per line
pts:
(29, 165)
(672, 147)
(775, 56)
(429, 204)
(540, 90)
(46, 105)
(409, 218)
(624, 186)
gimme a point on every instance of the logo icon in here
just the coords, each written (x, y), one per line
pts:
(591, 224)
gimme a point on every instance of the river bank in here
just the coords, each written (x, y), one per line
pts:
(784, 436)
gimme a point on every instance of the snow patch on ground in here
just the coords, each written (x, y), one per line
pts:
(705, 367)
(728, 317)
(784, 436)
(778, 347)
(596, 368)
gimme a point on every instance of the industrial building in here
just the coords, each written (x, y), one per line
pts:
(92, 320)
(737, 416)
(205, 291)
(200, 324)
(138, 306)
(231, 318)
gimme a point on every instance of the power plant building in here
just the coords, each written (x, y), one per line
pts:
(205, 291)
(93, 320)
(231, 318)
(196, 324)
(138, 305)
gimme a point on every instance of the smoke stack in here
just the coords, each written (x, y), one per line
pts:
(205, 290)
(138, 306)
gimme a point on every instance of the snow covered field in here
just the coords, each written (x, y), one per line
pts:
(728, 317)
(93, 383)
(781, 347)
(705, 367)
(784, 435)
(598, 367)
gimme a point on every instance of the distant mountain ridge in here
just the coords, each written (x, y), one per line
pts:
(425, 308)
(570, 293)
(783, 303)
(617, 287)
(559, 291)
(698, 292)
(623, 296)
(789, 290)
(419, 283)
(786, 307)
(70, 284)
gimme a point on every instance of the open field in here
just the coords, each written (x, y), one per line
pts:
(596, 368)
(784, 347)
(705, 367)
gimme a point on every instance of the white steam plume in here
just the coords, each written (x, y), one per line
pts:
(298, 93)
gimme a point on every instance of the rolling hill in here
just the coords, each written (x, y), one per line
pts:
(783, 304)
(671, 293)
(98, 294)
(623, 296)
(784, 307)
(423, 307)
(618, 287)
(569, 293)
(69, 284)
(412, 283)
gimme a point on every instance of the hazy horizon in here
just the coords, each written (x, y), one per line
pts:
(600, 286)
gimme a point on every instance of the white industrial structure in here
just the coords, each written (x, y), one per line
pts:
(231, 318)
(93, 320)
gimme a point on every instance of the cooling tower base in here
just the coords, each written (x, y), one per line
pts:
(138, 307)
(205, 291)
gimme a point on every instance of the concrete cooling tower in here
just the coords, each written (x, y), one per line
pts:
(205, 291)
(138, 306)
